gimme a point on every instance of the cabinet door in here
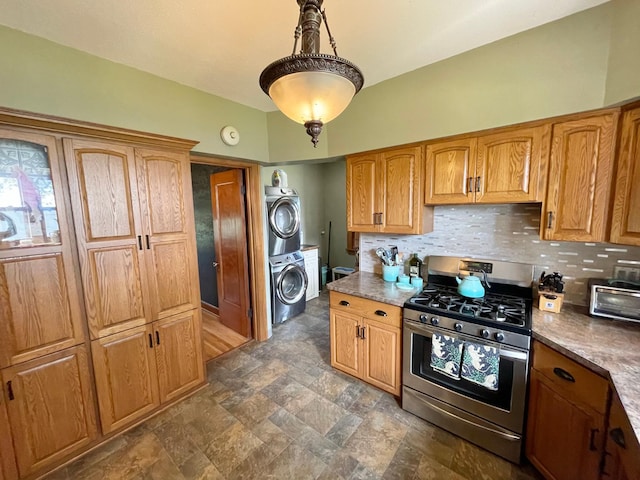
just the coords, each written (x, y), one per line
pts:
(622, 460)
(179, 354)
(580, 179)
(363, 193)
(50, 406)
(564, 440)
(508, 167)
(164, 181)
(450, 172)
(110, 242)
(400, 176)
(381, 364)
(311, 267)
(8, 468)
(125, 374)
(625, 224)
(345, 351)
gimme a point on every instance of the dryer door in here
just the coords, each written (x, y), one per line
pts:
(284, 217)
(291, 284)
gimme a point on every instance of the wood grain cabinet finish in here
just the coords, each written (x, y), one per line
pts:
(625, 224)
(8, 467)
(366, 340)
(580, 174)
(384, 192)
(622, 459)
(134, 222)
(50, 407)
(566, 418)
(507, 166)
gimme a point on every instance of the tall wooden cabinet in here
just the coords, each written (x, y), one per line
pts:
(625, 224)
(507, 166)
(384, 192)
(580, 177)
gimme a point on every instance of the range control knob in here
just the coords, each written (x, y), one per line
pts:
(485, 333)
(499, 336)
(457, 327)
(435, 320)
(423, 318)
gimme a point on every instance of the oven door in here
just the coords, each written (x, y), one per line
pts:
(504, 407)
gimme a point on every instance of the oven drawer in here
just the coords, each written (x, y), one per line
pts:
(381, 312)
(576, 382)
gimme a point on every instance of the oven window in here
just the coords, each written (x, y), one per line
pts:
(421, 358)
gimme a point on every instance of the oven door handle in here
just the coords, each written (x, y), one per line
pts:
(514, 355)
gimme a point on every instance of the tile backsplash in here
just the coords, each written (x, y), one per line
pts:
(508, 233)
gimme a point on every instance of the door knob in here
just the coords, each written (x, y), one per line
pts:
(215, 264)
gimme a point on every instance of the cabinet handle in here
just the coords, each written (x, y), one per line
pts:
(363, 336)
(617, 435)
(10, 390)
(381, 313)
(157, 338)
(150, 341)
(358, 331)
(344, 303)
(564, 375)
(148, 244)
(375, 219)
(592, 440)
(478, 184)
(549, 219)
(139, 242)
(470, 185)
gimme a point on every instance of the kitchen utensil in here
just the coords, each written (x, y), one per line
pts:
(390, 273)
(551, 283)
(470, 287)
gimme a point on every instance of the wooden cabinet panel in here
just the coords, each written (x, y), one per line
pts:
(564, 440)
(381, 354)
(179, 354)
(8, 468)
(622, 461)
(382, 312)
(580, 175)
(125, 374)
(625, 224)
(362, 193)
(449, 166)
(52, 410)
(38, 317)
(344, 342)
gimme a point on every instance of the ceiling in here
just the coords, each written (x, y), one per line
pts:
(221, 46)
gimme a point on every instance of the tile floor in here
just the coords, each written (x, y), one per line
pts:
(277, 410)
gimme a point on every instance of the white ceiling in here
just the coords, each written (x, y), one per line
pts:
(221, 46)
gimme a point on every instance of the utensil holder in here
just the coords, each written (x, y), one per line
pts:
(390, 273)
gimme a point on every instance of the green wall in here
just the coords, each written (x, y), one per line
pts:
(623, 78)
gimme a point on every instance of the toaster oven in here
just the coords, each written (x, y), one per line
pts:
(615, 302)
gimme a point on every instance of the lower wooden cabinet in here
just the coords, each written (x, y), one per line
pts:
(50, 408)
(8, 468)
(138, 369)
(622, 459)
(366, 339)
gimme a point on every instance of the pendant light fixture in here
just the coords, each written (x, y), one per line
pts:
(310, 87)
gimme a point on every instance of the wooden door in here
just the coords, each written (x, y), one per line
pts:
(400, 186)
(564, 440)
(50, 406)
(8, 468)
(111, 245)
(164, 182)
(450, 172)
(230, 239)
(508, 167)
(345, 342)
(125, 373)
(363, 193)
(625, 223)
(622, 457)
(179, 354)
(580, 175)
(381, 363)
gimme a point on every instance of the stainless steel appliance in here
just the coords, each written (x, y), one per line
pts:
(288, 286)
(283, 217)
(616, 299)
(490, 418)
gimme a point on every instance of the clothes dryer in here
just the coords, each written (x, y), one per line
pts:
(288, 286)
(284, 222)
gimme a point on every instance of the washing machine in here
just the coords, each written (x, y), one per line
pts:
(283, 218)
(288, 286)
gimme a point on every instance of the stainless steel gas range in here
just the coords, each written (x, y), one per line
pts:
(466, 360)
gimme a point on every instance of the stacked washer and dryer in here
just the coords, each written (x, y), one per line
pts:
(288, 275)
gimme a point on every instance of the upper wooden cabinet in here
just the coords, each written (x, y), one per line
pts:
(134, 223)
(384, 192)
(580, 173)
(507, 166)
(625, 223)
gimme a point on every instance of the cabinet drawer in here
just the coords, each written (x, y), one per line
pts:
(576, 382)
(381, 312)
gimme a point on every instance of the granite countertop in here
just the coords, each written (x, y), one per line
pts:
(608, 347)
